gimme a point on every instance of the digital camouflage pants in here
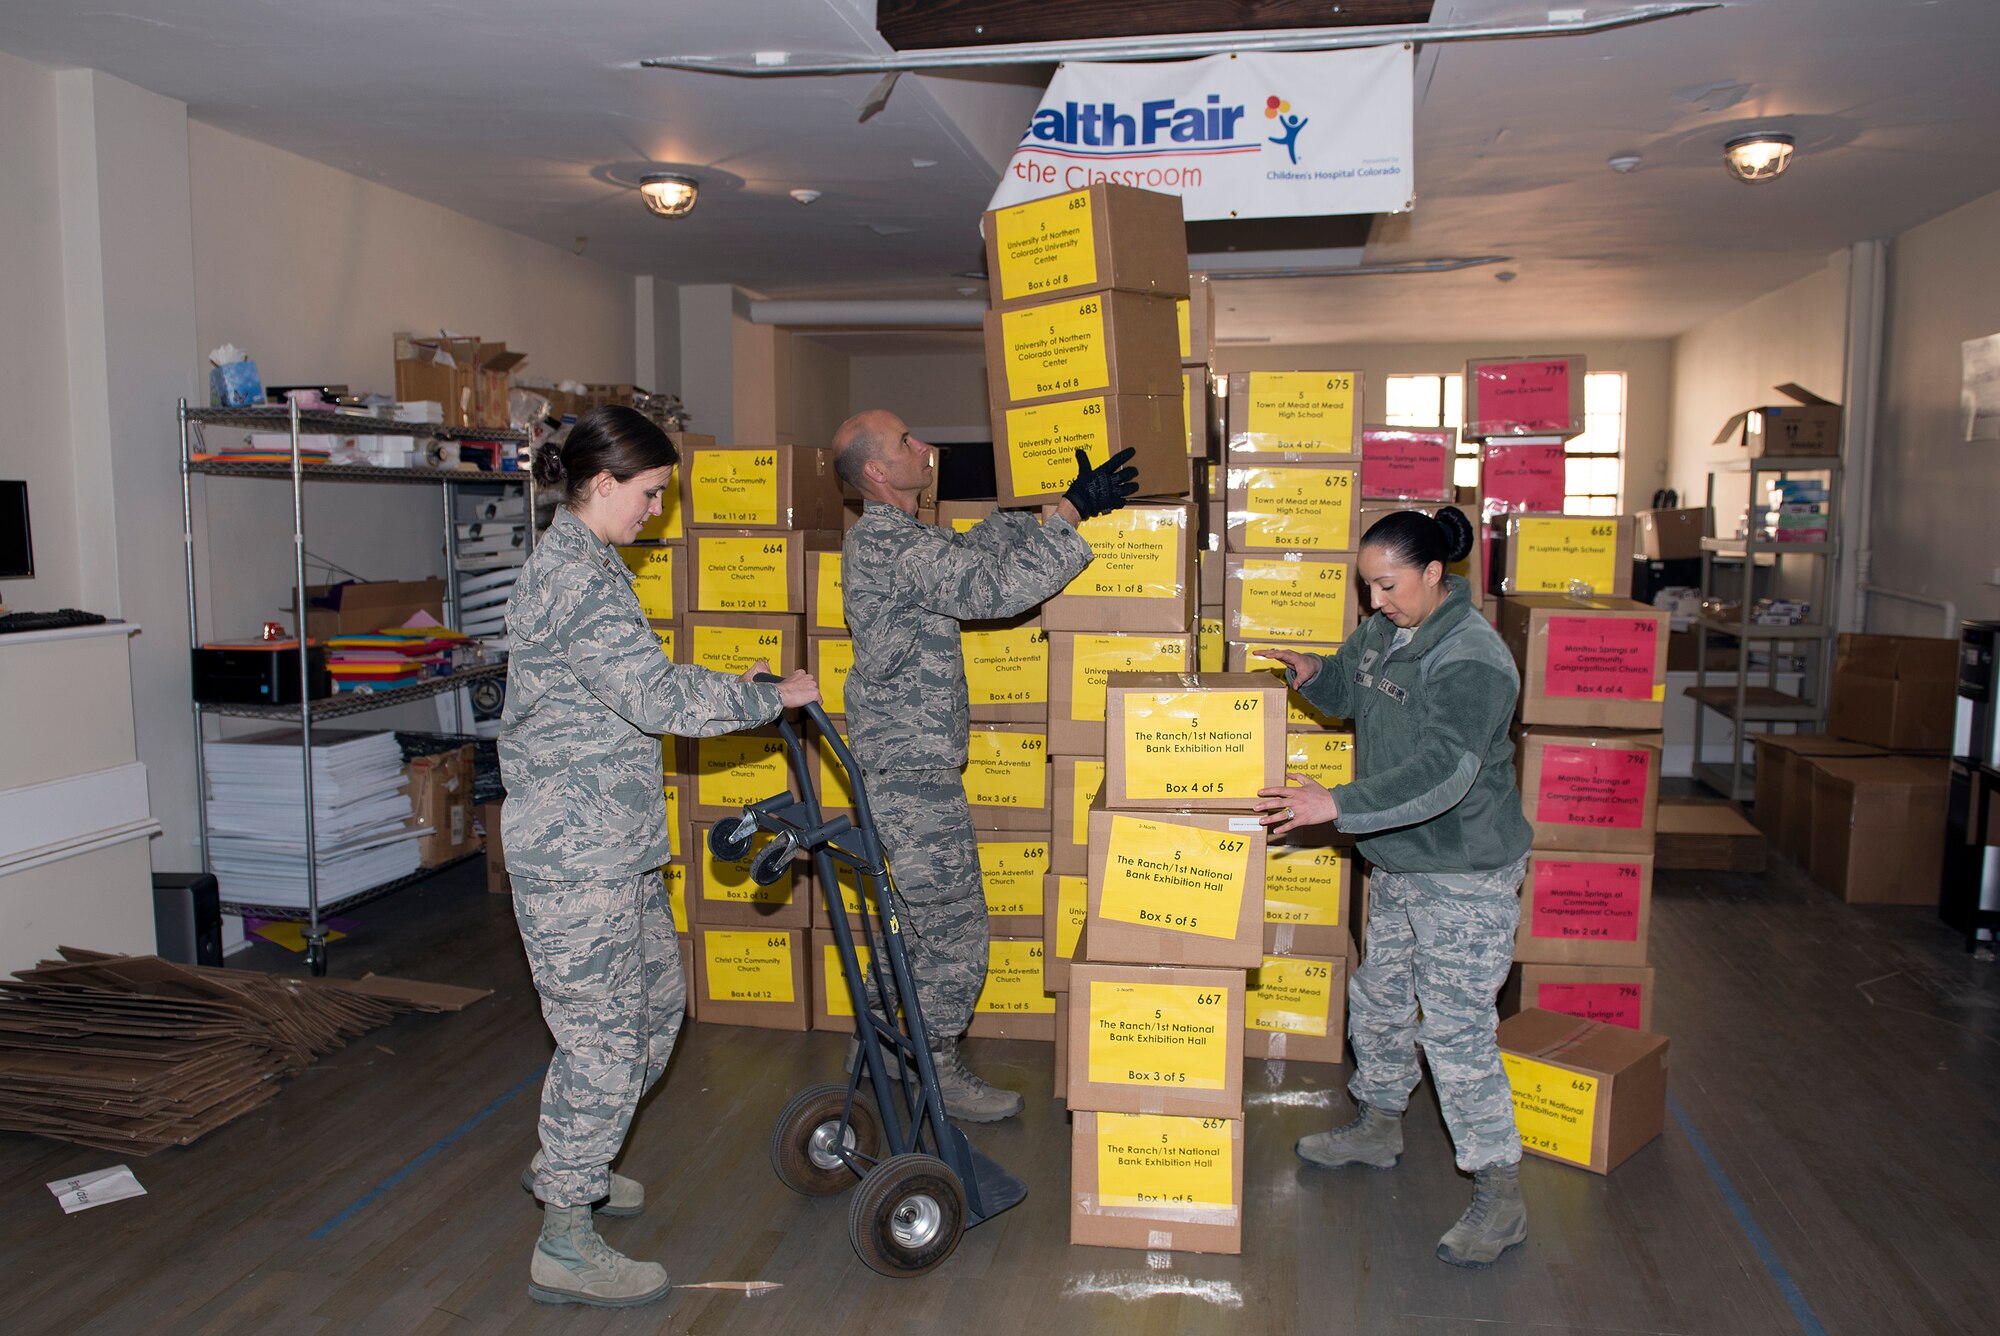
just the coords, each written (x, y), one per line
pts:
(926, 832)
(1443, 942)
(605, 963)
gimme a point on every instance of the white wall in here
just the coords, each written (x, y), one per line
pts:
(926, 390)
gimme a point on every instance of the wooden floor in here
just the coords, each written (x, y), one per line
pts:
(1840, 1065)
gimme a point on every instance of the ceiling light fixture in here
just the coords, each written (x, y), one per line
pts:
(1622, 163)
(805, 196)
(669, 194)
(1759, 157)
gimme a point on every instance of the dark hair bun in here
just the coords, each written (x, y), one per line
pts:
(1458, 533)
(548, 466)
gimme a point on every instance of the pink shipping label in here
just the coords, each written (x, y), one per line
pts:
(1577, 901)
(1603, 787)
(1410, 464)
(1610, 1003)
(1521, 399)
(1603, 658)
(1514, 478)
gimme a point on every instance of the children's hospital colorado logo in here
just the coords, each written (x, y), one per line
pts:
(1235, 136)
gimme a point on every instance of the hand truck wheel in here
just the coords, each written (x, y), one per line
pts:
(807, 1135)
(774, 861)
(729, 838)
(907, 1216)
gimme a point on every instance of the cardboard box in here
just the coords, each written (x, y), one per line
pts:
(1065, 906)
(1080, 663)
(1588, 662)
(722, 895)
(1179, 888)
(1007, 777)
(730, 772)
(1590, 791)
(674, 879)
(832, 1004)
(1295, 1009)
(1408, 463)
(1528, 476)
(1163, 1184)
(848, 890)
(357, 607)
(1284, 598)
(440, 792)
(1585, 909)
(1524, 396)
(1878, 828)
(752, 570)
(1472, 569)
(670, 525)
(1809, 428)
(1306, 889)
(1105, 343)
(1059, 1085)
(1671, 535)
(1013, 1004)
(760, 487)
(730, 642)
(1783, 808)
(659, 578)
(1156, 1039)
(1293, 508)
(1554, 554)
(1014, 868)
(1240, 657)
(1142, 575)
(1100, 238)
(1196, 313)
(1294, 416)
(830, 659)
(1698, 835)
(1195, 411)
(1035, 445)
(1201, 740)
(1895, 692)
(468, 378)
(753, 976)
(1585, 1093)
(825, 613)
(1006, 669)
(1620, 995)
(488, 817)
(1077, 781)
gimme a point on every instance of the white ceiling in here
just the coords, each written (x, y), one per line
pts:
(530, 115)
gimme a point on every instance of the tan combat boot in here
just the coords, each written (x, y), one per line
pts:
(628, 1195)
(1495, 1222)
(572, 1265)
(1374, 1138)
(965, 1095)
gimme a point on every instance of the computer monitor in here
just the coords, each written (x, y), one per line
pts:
(17, 551)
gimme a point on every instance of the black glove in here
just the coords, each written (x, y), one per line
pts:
(1100, 490)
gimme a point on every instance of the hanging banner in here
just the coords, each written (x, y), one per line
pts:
(1244, 136)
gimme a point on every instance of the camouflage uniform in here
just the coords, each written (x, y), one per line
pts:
(584, 830)
(1443, 941)
(906, 586)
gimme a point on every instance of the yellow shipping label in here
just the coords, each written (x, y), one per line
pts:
(1292, 600)
(1004, 769)
(832, 612)
(1552, 553)
(1298, 714)
(836, 661)
(738, 769)
(1304, 411)
(1184, 313)
(1158, 1034)
(1289, 994)
(1555, 1109)
(732, 649)
(1327, 757)
(834, 971)
(1006, 665)
(734, 487)
(1089, 783)
(670, 758)
(675, 875)
(835, 789)
(653, 579)
(1302, 885)
(1175, 878)
(730, 883)
(1211, 648)
(1136, 553)
(1298, 509)
(665, 635)
(847, 880)
(1072, 908)
(1187, 407)
(1157, 1160)
(1046, 245)
(1093, 658)
(672, 792)
(1042, 442)
(749, 966)
(1194, 744)
(1014, 981)
(665, 527)
(1058, 348)
(744, 574)
(1013, 872)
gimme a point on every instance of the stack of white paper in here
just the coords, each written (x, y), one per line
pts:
(482, 602)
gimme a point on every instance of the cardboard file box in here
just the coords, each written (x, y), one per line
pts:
(1157, 1182)
(1013, 1003)
(1294, 416)
(1620, 995)
(1100, 238)
(1035, 445)
(1192, 740)
(1585, 1093)
(760, 486)
(1588, 662)
(1182, 888)
(1156, 1039)
(1525, 396)
(1585, 909)
(1295, 1009)
(752, 976)
(1142, 575)
(1106, 343)
(1594, 792)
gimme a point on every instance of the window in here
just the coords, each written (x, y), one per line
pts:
(1596, 459)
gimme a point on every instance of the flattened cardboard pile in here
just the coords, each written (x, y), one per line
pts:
(134, 1053)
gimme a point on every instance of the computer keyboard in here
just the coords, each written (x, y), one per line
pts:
(58, 620)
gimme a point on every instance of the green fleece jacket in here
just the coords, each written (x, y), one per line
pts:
(1436, 789)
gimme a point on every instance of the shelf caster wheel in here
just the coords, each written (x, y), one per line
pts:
(316, 956)
(907, 1216)
(774, 860)
(806, 1138)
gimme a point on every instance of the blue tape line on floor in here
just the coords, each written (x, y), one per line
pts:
(424, 1157)
(1795, 1297)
